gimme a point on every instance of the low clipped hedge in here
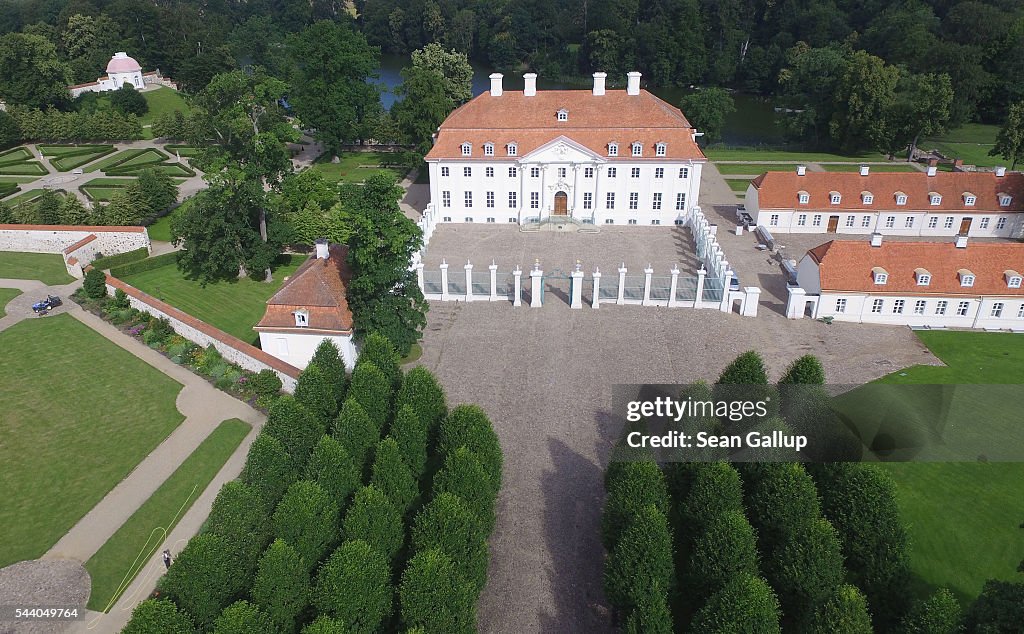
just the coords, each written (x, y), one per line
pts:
(148, 264)
(120, 259)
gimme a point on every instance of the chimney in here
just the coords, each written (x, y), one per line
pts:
(961, 241)
(496, 84)
(1000, 171)
(633, 83)
(932, 170)
(801, 170)
(530, 85)
(599, 84)
(876, 239)
(323, 250)
(864, 169)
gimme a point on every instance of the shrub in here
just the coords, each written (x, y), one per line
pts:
(239, 517)
(745, 604)
(307, 518)
(746, 369)
(326, 625)
(378, 350)
(265, 383)
(781, 500)
(651, 616)
(468, 426)
(641, 563)
(845, 611)
(421, 391)
(354, 586)
(315, 391)
(806, 570)
(331, 466)
(242, 617)
(634, 486)
(371, 389)
(158, 615)
(206, 576)
(296, 428)
(999, 608)
(268, 470)
(938, 614)
(715, 488)
(806, 370)
(282, 588)
(208, 359)
(356, 432)
(95, 284)
(375, 520)
(463, 476)
(448, 525)
(120, 300)
(127, 100)
(433, 596)
(392, 476)
(411, 435)
(158, 331)
(111, 261)
(329, 360)
(726, 548)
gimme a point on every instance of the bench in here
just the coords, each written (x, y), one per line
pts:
(765, 236)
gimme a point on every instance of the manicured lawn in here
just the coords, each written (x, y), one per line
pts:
(415, 352)
(48, 268)
(101, 194)
(234, 307)
(17, 179)
(853, 167)
(161, 229)
(118, 561)
(162, 100)
(68, 157)
(79, 413)
(356, 167)
(970, 143)
(185, 151)
(748, 154)
(6, 189)
(754, 168)
(964, 516)
(738, 185)
(6, 295)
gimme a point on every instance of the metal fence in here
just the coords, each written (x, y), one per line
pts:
(713, 290)
(633, 287)
(608, 291)
(432, 282)
(456, 284)
(481, 283)
(661, 287)
(686, 289)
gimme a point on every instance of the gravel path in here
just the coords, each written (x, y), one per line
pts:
(43, 583)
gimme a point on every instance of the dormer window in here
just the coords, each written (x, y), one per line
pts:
(934, 198)
(513, 149)
(1013, 279)
(563, 115)
(880, 275)
(301, 318)
(488, 149)
(613, 149)
(901, 198)
(638, 149)
(966, 277)
(467, 149)
(1005, 200)
(867, 198)
(924, 278)
(803, 197)
(659, 149)
(834, 197)
(969, 199)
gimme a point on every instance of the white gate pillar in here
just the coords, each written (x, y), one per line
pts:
(518, 277)
(797, 302)
(750, 300)
(469, 280)
(648, 272)
(493, 268)
(701, 274)
(419, 276)
(726, 285)
(673, 286)
(595, 301)
(622, 285)
(536, 285)
(444, 281)
(576, 301)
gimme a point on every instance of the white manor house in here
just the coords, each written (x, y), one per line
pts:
(600, 157)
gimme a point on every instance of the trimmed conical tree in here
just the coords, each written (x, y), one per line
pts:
(807, 370)
(468, 426)
(239, 517)
(421, 391)
(433, 595)
(316, 391)
(206, 576)
(281, 588)
(781, 500)
(329, 360)
(806, 570)
(296, 427)
(378, 350)
(158, 615)
(269, 470)
(357, 433)
(726, 548)
(845, 611)
(242, 617)
(746, 369)
(354, 587)
(375, 520)
(411, 435)
(392, 476)
(463, 476)
(745, 604)
(307, 518)
(938, 614)
(651, 616)
(449, 525)
(641, 563)
(633, 486)
(371, 389)
(331, 466)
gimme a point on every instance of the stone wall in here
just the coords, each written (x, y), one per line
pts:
(78, 245)
(201, 333)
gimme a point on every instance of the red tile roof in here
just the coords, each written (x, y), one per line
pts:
(81, 243)
(846, 265)
(319, 286)
(778, 190)
(594, 121)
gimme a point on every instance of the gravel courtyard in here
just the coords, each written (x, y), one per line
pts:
(544, 375)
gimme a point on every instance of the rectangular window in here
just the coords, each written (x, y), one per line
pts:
(684, 172)
(659, 172)
(1020, 312)
(490, 220)
(632, 221)
(961, 309)
(897, 306)
(909, 224)
(588, 200)
(534, 172)
(890, 222)
(817, 220)
(841, 305)
(984, 223)
(512, 172)
(659, 149)
(468, 219)
(511, 219)
(876, 306)
(997, 309)
(609, 221)
(1001, 223)
(447, 219)
(680, 201)
(488, 149)
(588, 172)
(489, 172)
(611, 172)
(919, 306)
(613, 149)
(634, 200)
(637, 149)
(444, 171)
(609, 201)
(467, 149)
(933, 222)
(561, 172)
(656, 202)
(446, 199)
(635, 172)
(534, 200)
(512, 200)
(490, 199)
(941, 306)
(467, 172)
(865, 221)
(850, 220)
(948, 224)
(655, 222)
(469, 199)
(513, 149)
(801, 220)
(774, 220)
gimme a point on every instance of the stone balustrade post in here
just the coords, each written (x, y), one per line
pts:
(444, 281)
(493, 268)
(673, 286)
(621, 299)
(648, 272)
(595, 301)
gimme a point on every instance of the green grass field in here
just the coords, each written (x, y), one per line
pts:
(79, 414)
(356, 167)
(100, 194)
(234, 307)
(119, 560)
(68, 157)
(45, 267)
(853, 167)
(6, 189)
(162, 100)
(738, 185)
(185, 151)
(964, 517)
(20, 161)
(6, 295)
(101, 189)
(754, 168)
(748, 154)
(970, 142)
(17, 179)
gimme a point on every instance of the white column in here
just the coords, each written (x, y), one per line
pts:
(673, 286)
(699, 297)
(726, 284)
(622, 284)
(595, 301)
(444, 281)
(797, 302)
(648, 272)
(536, 283)
(576, 301)
(493, 268)
(469, 280)
(752, 297)
(419, 276)
(518, 277)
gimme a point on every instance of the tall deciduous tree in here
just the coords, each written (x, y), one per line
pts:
(31, 74)
(453, 66)
(383, 294)
(1010, 139)
(354, 586)
(374, 519)
(938, 614)
(281, 588)
(707, 109)
(921, 108)
(331, 466)
(356, 432)
(307, 518)
(450, 526)
(865, 95)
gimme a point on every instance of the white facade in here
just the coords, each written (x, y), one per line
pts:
(526, 189)
(297, 347)
(121, 70)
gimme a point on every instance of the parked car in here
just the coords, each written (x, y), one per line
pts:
(46, 305)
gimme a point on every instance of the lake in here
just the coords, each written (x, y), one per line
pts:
(753, 123)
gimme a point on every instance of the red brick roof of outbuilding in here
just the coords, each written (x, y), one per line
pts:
(319, 287)
(779, 190)
(594, 122)
(846, 266)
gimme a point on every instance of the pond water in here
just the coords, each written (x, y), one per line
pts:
(753, 122)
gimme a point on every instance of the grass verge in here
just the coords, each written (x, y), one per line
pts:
(6, 295)
(754, 169)
(48, 268)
